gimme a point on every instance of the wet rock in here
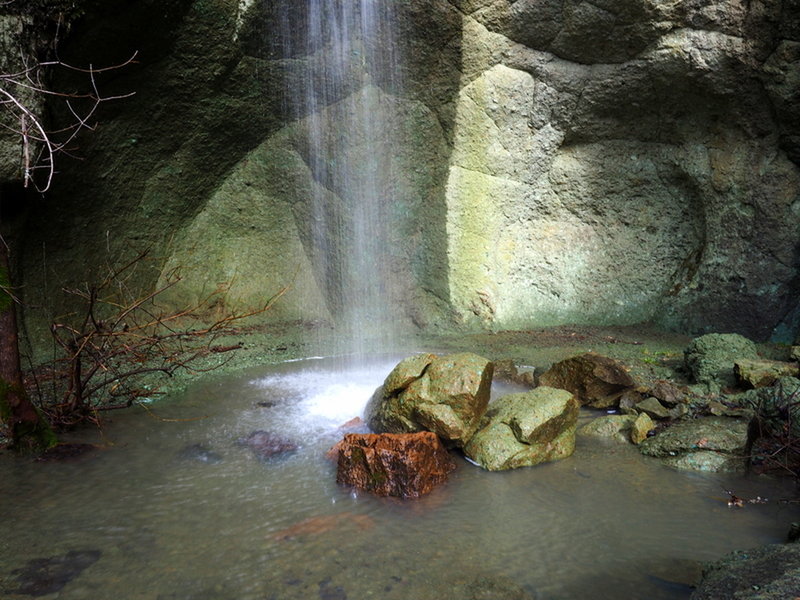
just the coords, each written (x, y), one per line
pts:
(595, 380)
(200, 453)
(709, 359)
(628, 401)
(641, 427)
(507, 370)
(43, 576)
(704, 444)
(614, 427)
(522, 430)
(653, 408)
(448, 396)
(406, 372)
(266, 445)
(794, 353)
(405, 465)
(668, 393)
(768, 573)
(761, 373)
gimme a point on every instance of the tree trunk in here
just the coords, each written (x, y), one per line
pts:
(29, 430)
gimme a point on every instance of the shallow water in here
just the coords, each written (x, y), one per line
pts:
(178, 510)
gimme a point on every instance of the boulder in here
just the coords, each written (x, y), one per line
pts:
(613, 427)
(709, 359)
(668, 393)
(794, 353)
(653, 408)
(507, 370)
(640, 428)
(595, 380)
(704, 444)
(405, 465)
(768, 573)
(448, 396)
(521, 430)
(761, 373)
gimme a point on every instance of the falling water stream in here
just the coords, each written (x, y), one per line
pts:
(349, 122)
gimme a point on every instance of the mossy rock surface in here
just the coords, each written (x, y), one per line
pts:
(522, 430)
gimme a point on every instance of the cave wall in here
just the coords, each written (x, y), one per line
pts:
(564, 162)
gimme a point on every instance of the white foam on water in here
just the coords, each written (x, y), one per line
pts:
(326, 398)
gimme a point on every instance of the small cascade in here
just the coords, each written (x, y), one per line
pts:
(345, 106)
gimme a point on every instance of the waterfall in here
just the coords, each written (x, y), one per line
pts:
(344, 100)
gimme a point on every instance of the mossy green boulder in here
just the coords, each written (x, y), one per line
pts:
(709, 359)
(447, 395)
(522, 430)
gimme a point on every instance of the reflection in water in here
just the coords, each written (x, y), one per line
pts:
(168, 523)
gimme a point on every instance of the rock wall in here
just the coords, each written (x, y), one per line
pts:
(563, 162)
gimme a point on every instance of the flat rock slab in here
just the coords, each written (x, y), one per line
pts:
(405, 465)
(703, 444)
(761, 373)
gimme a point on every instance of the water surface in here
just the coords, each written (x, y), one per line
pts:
(178, 510)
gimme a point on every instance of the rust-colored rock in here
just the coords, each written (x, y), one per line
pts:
(595, 380)
(405, 465)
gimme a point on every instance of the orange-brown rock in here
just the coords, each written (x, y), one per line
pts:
(595, 380)
(406, 465)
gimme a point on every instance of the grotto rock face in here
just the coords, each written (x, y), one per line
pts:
(558, 162)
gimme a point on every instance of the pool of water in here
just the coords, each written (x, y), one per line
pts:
(172, 507)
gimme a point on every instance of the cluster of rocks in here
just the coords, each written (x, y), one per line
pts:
(429, 404)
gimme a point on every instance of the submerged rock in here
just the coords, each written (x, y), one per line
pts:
(318, 525)
(768, 573)
(266, 445)
(66, 452)
(709, 359)
(200, 453)
(705, 444)
(522, 430)
(496, 587)
(596, 381)
(43, 576)
(405, 465)
(447, 395)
